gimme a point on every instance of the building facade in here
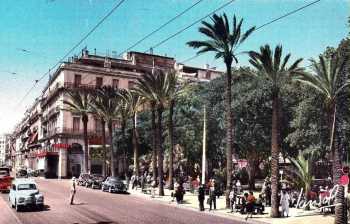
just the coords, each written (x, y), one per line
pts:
(50, 138)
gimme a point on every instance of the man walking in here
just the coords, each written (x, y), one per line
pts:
(72, 191)
(201, 197)
(212, 195)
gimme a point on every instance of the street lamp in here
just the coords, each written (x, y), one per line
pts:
(281, 173)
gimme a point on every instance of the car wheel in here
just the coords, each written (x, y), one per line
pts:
(17, 207)
(41, 207)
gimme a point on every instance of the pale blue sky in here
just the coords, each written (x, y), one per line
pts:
(48, 28)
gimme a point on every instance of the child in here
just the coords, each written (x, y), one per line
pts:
(285, 203)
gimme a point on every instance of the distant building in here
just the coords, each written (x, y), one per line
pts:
(50, 138)
(3, 149)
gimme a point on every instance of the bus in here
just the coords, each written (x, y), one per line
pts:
(5, 179)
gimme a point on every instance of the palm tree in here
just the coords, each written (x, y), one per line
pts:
(224, 43)
(326, 80)
(97, 104)
(108, 107)
(144, 88)
(303, 164)
(155, 88)
(268, 66)
(78, 103)
(132, 101)
(124, 114)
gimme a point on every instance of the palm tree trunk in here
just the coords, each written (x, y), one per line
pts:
(154, 141)
(340, 209)
(135, 146)
(104, 167)
(160, 151)
(275, 149)
(85, 120)
(171, 140)
(229, 131)
(125, 160)
(110, 132)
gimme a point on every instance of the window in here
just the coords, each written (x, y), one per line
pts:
(77, 80)
(131, 84)
(115, 83)
(207, 75)
(99, 81)
(98, 125)
(26, 187)
(76, 124)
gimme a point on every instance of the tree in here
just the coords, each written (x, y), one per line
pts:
(223, 43)
(155, 88)
(144, 88)
(97, 104)
(303, 164)
(132, 101)
(325, 79)
(78, 104)
(108, 107)
(268, 66)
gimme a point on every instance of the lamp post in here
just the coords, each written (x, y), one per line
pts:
(281, 173)
(204, 146)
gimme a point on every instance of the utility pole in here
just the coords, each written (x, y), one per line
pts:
(204, 145)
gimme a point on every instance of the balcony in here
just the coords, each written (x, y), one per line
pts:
(71, 85)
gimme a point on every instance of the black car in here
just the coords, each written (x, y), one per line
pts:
(113, 184)
(83, 178)
(95, 181)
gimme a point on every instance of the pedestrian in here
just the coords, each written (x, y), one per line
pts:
(201, 197)
(285, 203)
(153, 188)
(250, 205)
(268, 195)
(72, 191)
(179, 193)
(232, 197)
(133, 181)
(212, 195)
(238, 187)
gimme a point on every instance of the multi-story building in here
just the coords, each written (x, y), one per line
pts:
(50, 138)
(4, 149)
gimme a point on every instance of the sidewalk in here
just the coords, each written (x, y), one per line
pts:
(297, 216)
(7, 216)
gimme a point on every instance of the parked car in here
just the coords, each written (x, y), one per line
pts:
(96, 181)
(5, 179)
(113, 184)
(21, 173)
(81, 181)
(25, 193)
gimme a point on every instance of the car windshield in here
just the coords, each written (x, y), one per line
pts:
(3, 173)
(22, 187)
(114, 180)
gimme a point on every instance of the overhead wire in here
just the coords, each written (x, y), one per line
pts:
(72, 49)
(266, 24)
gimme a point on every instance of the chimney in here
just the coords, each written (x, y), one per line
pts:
(206, 66)
(151, 50)
(85, 53)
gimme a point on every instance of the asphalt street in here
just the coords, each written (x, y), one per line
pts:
(97, 207)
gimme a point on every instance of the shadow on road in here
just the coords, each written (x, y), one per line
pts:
(46, 208)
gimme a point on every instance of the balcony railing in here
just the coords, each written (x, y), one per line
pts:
(72, 132)
(71, 85)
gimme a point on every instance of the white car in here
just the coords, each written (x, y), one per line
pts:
(25, 193)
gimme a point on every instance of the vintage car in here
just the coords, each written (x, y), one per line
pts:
(25, 193)
(83, 178)
(5, 179)
(113, 184)
(95, 182)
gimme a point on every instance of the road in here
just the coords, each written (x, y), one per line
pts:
(97, 207)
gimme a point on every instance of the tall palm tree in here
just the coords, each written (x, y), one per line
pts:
(325, 78)
(108, 107)
(97, 103)
(124, 114)
(269, 65)
(133, 102)
(144, 88)
(223, 42)
(155, 87)
(78, 104)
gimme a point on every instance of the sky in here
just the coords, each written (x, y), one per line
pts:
(47, 29)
